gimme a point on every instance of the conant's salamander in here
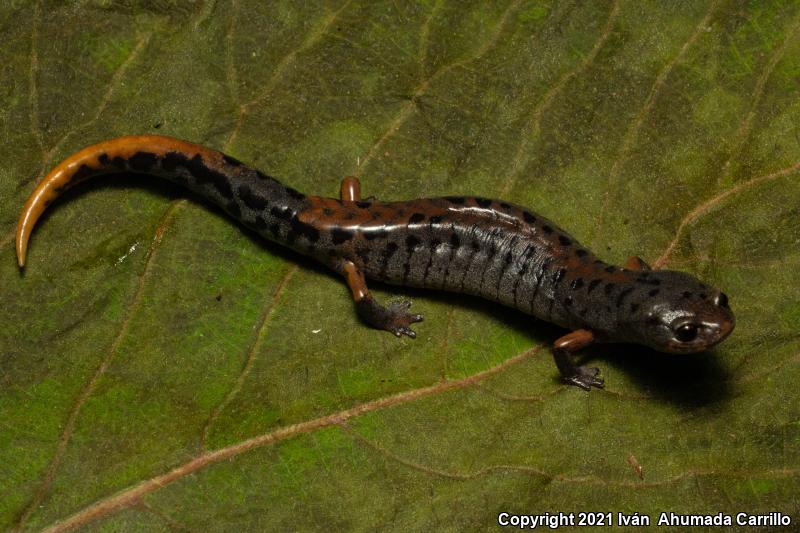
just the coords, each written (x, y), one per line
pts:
(490, 248)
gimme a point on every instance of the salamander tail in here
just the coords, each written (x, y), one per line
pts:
(208, 172)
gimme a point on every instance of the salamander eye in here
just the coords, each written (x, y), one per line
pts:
(721, 300)
(686, 332)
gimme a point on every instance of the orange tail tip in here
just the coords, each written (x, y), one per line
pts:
(61, 177)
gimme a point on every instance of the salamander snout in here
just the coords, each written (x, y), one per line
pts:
(695, 332)
(687, 316)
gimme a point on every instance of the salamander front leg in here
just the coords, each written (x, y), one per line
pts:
(563, 348)
(394, 318)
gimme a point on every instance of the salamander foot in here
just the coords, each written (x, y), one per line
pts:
(581, 376)
(394, 318)
(401, 319)
(585, 378)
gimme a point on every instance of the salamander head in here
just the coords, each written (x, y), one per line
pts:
(679, 314)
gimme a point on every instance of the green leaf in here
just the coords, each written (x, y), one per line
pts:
(161, 368)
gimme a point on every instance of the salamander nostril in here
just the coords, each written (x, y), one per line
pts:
(721, 300)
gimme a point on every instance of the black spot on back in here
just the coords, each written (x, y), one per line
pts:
(363, 204)
(436, 219)
(621, 296)
(593, 284)
(142, 161)
(547, 229)
(416, 218)
(302, 229)
(483, 202)
(505, 205)
(455, 199)
(580, 252)
(199, 171)
(610, 269)
(82, 173)
(564, 241)
(529, 218)
(251, 199)
(391, 248)
(172, 160)
(340, 235)
(202, 174)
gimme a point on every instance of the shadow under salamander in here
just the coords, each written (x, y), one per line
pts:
(688, 380)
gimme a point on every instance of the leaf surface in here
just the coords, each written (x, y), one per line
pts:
(161, 368)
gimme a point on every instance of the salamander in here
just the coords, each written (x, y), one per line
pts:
(490, 248)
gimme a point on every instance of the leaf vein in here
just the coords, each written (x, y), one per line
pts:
(88, 389)
(131, 495)
(521, 158)
(588, 479)
(313, 38)
(33, 96)
(743, 132)
(712, 202)
(410, 105)
(266, 315)
(632, 133)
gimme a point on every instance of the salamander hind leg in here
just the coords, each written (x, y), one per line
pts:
(581, 376)
(394, 318)
(350, 190)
